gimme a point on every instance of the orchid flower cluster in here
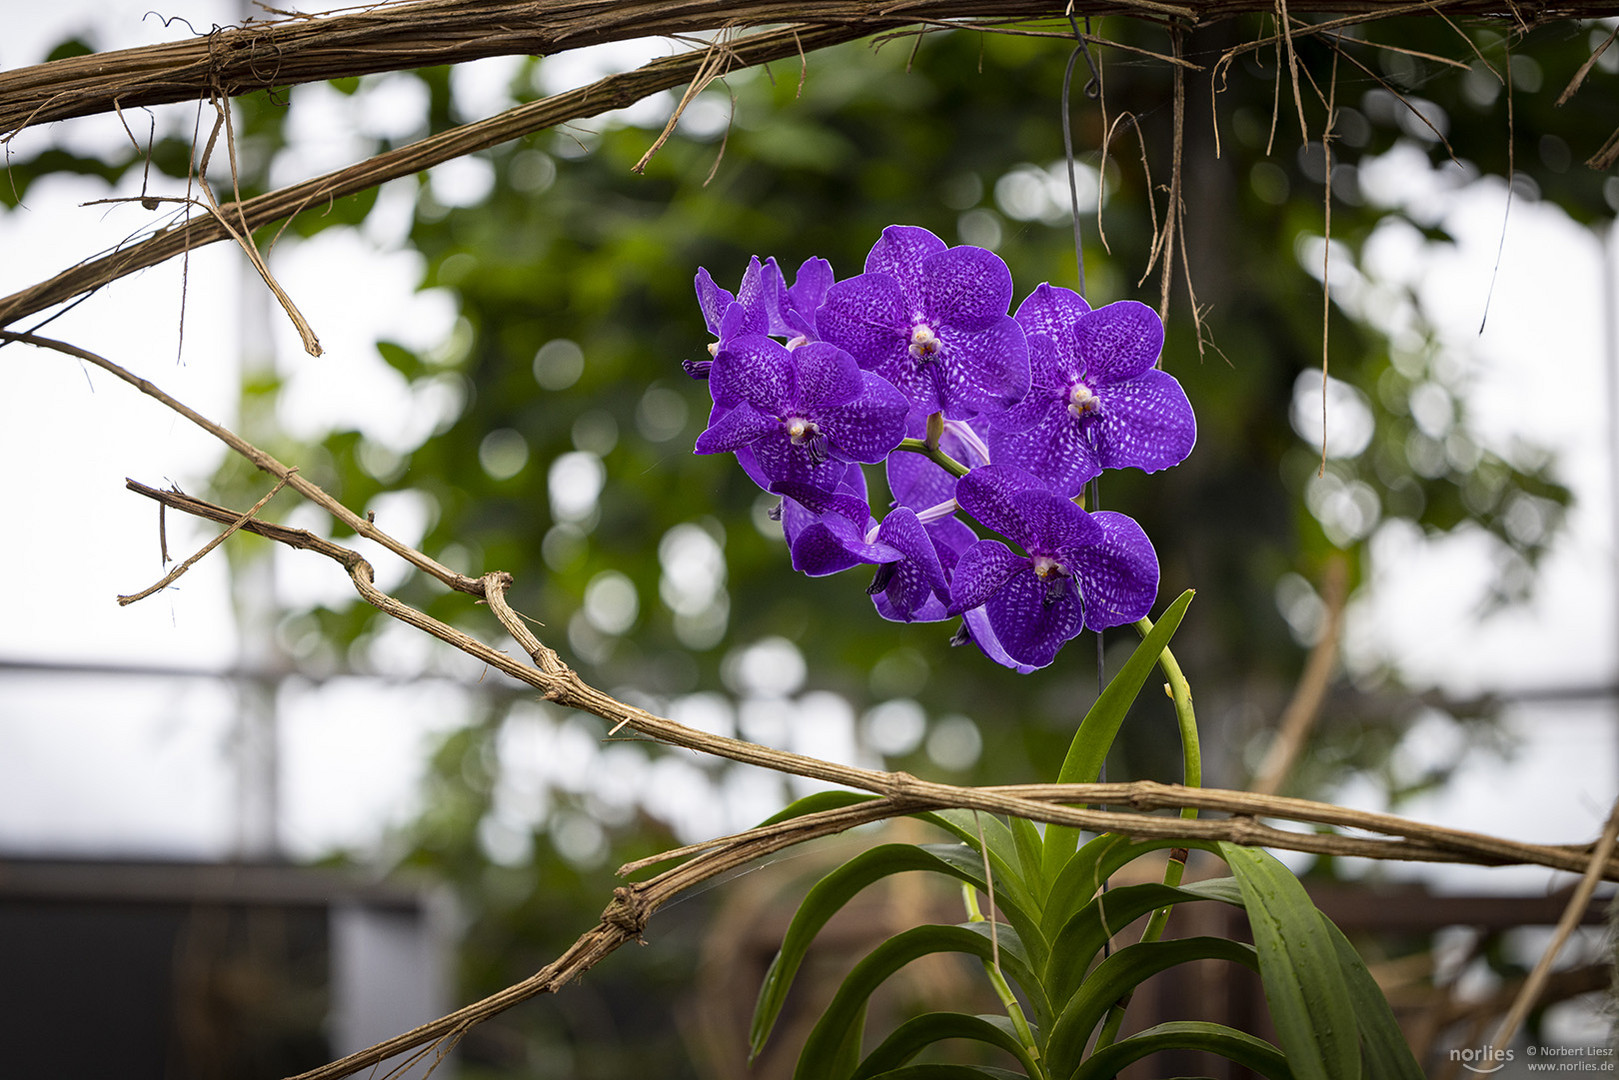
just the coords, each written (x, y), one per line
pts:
(1009, 417)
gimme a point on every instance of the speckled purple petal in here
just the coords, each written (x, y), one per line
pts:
(989, 495)
(919, 575)
(1118, 576)
(986, 370)
(809, 287)
(1056, 449)
(755, 369)
(831, 544)
(1144, 423)
(867, 318)
(1119, 341)
(842, 502)
(982, 634)
(965, 287)
(735, 428)
(930, 610)
(984, 570)
(763, 294)
(899, 252)
(1053, 313)
(951, 539)
(1043, 391)
(1031, 622)
(1055, 524)
(781, 460)
(750, 465)
(826, 376)
(868, 427)
(712, 299)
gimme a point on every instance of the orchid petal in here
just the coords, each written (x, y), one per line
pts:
(1119, 341)
(758, 370)
(984, 570)
(899, 252)
(735, 429)
(965, 287)
(1145, 423)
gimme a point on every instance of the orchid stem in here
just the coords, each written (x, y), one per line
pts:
(935, 455)
(1003, 990)
(1192, 772)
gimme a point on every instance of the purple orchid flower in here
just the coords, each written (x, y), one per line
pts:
(1081, 570)
(801, 414)
(831, 531)
(932, 320)
(756, 308)
(1096, 402)
(804, 296)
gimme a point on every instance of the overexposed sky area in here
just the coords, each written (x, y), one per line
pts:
(105, 763)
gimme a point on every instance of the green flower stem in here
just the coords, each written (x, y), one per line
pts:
(1192, 771)
(935, 455)
(1014, 1009)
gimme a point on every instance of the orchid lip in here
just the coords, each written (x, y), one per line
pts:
(924, 343)
(1082, 399)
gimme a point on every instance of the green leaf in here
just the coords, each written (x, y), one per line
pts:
(1231, 1044)
(1030, 855)
(1386, 1054)
(1011, 893)
(819, 1058)
(1086, 871)
(1304, 977)
(1118, 975)
(1101, 725)
(814, 804)
(1083, 936)
(827, 899)
(948, 1072)
(918, 1033)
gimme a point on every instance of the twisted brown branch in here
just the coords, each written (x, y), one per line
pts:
(604, 95)
(391, 37)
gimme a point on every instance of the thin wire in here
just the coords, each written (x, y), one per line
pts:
(1092, 89)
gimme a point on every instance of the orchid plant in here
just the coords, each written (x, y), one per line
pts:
(1001, 421)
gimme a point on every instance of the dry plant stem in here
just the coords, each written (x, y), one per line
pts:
(1536, 982)
(173, 575)
(393, 37)
(1299, 716)
(604, 95)
(903, 793)
(263, 461)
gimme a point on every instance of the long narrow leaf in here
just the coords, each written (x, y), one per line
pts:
(828, 897)
(1305, 983)
(1087, 870)
(948, 1072)
(821, 800)
(1118, 975)
(918, 1033)
(1387, 1056)
(1083, 936)
(819, 1058)
(1003, 847)
(1030, 856)
(1231, 1044)
(1101, 725)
